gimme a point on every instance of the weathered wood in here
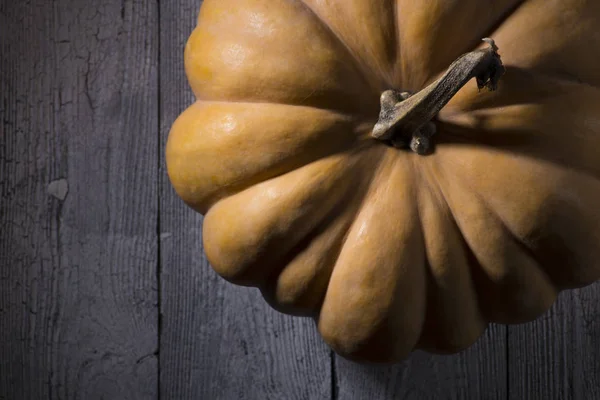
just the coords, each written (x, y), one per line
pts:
(78, 170)
(219, 341)
(558, 355)
(476, 373)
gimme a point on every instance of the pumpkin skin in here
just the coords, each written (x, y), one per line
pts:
(387, 250)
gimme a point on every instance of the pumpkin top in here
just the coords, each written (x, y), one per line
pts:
(386, 249)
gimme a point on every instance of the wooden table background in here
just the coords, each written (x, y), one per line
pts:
(104, 291)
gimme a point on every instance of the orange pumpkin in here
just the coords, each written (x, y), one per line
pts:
(387, 249)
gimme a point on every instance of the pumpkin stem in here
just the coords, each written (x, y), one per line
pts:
(405, 119)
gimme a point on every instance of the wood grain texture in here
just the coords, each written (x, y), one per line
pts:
(78, 169)
(558, 355)
(476, 373)
(219, 341)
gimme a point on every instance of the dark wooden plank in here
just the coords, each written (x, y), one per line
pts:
(219, 341)
(558, 355)
(79, 165)
(476, 373)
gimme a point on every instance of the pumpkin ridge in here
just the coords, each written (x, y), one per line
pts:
(542, 84)
(517, 239)
(344, 238)
(426, 52)
(534, 122)
(349, 205)
(371, 179)
(229, 55)
(349, 114)
(490, 32)
(274, 233)
(418, 176)
(562, 38)
(207, 138)
(525, 314)
(472, 262)
(388, 279)
(496, 285)
(364, 72)
(430, 340)
(563, 77)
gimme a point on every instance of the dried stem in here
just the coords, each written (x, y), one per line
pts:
(404, 117)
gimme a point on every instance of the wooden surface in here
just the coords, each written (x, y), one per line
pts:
(79, 148)
(104, 291)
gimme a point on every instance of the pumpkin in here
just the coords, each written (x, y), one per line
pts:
(387, 249)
